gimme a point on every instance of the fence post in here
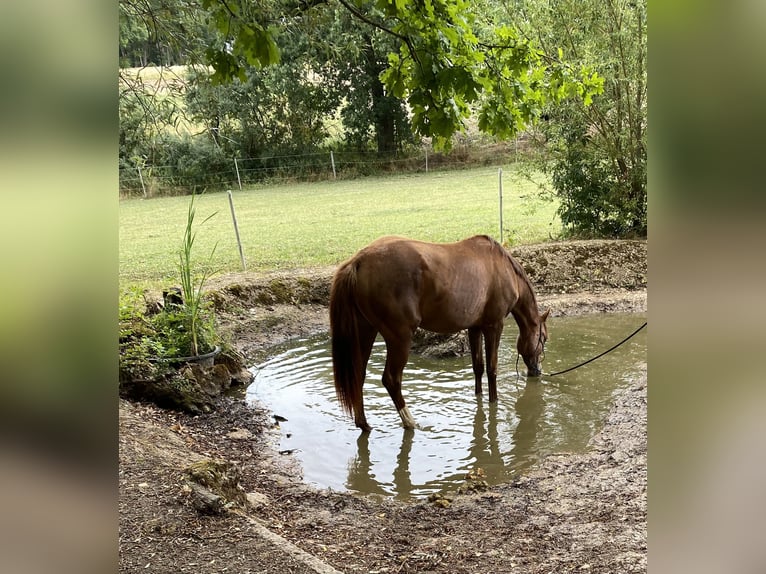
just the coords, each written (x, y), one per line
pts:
(332, 161)
(426, 160)
(500, 187)
(236, 167)
(141, 177)
(236, 230)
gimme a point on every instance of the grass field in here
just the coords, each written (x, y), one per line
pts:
(316, 224)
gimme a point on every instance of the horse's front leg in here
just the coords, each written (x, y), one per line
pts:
(477, 361)
(397, 353)
(491, 345)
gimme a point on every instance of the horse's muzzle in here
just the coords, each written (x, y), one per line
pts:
(534, 372)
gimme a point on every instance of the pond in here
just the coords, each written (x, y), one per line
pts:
(457, 431)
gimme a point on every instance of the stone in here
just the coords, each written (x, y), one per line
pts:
(257, 500)
(205, 501)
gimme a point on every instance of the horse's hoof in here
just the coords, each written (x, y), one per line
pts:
(365, 427)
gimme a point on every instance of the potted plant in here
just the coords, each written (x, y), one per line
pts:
(180, 330)
(190, 324)
(157, 340)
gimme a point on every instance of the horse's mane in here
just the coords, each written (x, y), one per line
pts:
(494, 244)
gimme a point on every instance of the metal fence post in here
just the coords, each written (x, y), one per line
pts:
(236, 167)
(236, 230)
(141, 178)
(500, 187)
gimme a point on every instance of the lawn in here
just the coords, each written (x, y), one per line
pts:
(302, 225)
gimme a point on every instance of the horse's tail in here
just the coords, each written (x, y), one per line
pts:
(347, 365)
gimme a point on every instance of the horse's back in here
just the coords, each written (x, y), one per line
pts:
(402, 253)
(440, 286)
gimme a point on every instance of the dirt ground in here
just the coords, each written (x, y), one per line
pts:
(572, 513)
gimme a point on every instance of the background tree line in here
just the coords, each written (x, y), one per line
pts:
(281, 77)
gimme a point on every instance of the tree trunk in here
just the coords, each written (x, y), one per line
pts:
(384, 120)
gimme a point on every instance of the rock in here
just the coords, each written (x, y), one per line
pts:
(243, 377)
(217, 478)
(240, 434)
(189, 387)
(176, 390)
(438, 345)
(440, 500)
(257, 500)
(236, 365)
(205, 501)
(619, 456)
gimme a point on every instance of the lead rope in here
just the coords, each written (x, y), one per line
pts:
(594, 358)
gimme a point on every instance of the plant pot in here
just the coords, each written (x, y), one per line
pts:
(205, 360)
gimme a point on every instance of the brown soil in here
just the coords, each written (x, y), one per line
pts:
(583, 512)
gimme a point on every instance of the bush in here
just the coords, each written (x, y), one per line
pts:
(595, 200)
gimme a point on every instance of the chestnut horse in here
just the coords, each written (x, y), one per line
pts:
(395, 285)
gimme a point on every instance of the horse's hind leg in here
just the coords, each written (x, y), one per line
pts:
(477, 359)
(398, 350)
(367, 334)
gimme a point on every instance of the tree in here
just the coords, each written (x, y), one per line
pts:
(328, 65)
(598, 152)
(354, 59)
(154, 32)
(161, 32)
(445, 64)
(277, 109)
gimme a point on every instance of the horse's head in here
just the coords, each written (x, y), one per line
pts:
(531, 345)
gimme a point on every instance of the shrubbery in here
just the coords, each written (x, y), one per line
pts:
(595, 202)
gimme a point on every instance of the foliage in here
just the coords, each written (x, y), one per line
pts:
(149, 341)
(149, 107)
(155, 36)
(274, 111)
(372, 117)
(598, 152)
(594, 201)
(194, 162)
(161, 32)
(330, 68)
(249, 30)
(140, 343)
(444, 63)
(448, 64)
(283, 71)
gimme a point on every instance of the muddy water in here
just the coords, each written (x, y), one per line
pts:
(457, 431)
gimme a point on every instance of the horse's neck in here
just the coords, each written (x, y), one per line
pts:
(525, 310)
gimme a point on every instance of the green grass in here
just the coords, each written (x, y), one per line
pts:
(317, 224)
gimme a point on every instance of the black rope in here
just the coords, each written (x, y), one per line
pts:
(597, 356)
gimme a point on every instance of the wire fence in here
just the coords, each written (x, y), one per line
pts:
(188, 176)
(303, 226)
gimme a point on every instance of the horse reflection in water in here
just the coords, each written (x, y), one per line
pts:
(362, 479)
(488, 450)
(395, 285)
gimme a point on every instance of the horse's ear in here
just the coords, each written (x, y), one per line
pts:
(544, 316)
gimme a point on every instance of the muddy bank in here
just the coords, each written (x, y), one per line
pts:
(575, 277)
(572, 513)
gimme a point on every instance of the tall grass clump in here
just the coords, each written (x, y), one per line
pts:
(192, 306)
